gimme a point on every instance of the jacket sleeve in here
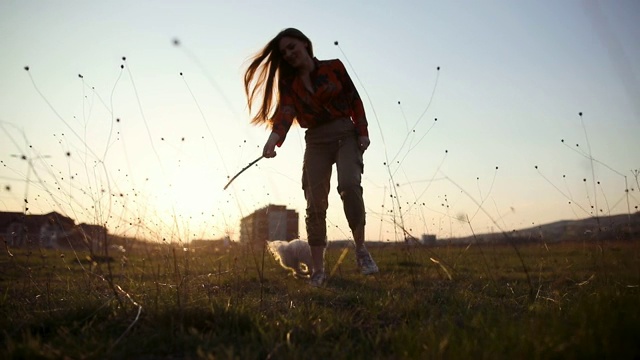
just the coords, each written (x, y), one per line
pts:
(353, 98)
(285, 112)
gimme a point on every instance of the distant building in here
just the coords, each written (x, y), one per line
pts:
(52, 230)
(272, 222)
(12, 226)
(44, 230)
(95, 236)
(428, 239)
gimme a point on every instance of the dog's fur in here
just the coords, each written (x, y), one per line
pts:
(294, 256)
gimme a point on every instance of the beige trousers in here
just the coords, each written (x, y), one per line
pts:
(328, 144)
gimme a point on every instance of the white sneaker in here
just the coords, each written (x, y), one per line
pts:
(317, 279)
(365, 262)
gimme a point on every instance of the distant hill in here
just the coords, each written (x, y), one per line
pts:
(614, 227)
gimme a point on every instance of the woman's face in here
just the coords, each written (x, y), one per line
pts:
(293, 51)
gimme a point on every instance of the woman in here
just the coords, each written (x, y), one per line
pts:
(321, 97)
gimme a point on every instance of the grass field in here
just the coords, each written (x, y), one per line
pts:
(560, 300)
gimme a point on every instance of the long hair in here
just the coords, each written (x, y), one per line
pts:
(266, 69)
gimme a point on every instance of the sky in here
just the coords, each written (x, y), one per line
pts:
(483, 116)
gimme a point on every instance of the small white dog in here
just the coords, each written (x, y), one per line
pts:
(294, 255)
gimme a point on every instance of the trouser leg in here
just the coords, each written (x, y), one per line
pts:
(350, 167)
(317, 257)
(316, 180)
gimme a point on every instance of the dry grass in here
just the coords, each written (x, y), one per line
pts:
(165, 302)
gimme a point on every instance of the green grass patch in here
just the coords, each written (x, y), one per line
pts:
(561, 300)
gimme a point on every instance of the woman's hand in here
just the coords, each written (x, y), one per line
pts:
(269, 149)
(363, 142)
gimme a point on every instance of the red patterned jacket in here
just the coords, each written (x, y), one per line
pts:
(335, 96)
